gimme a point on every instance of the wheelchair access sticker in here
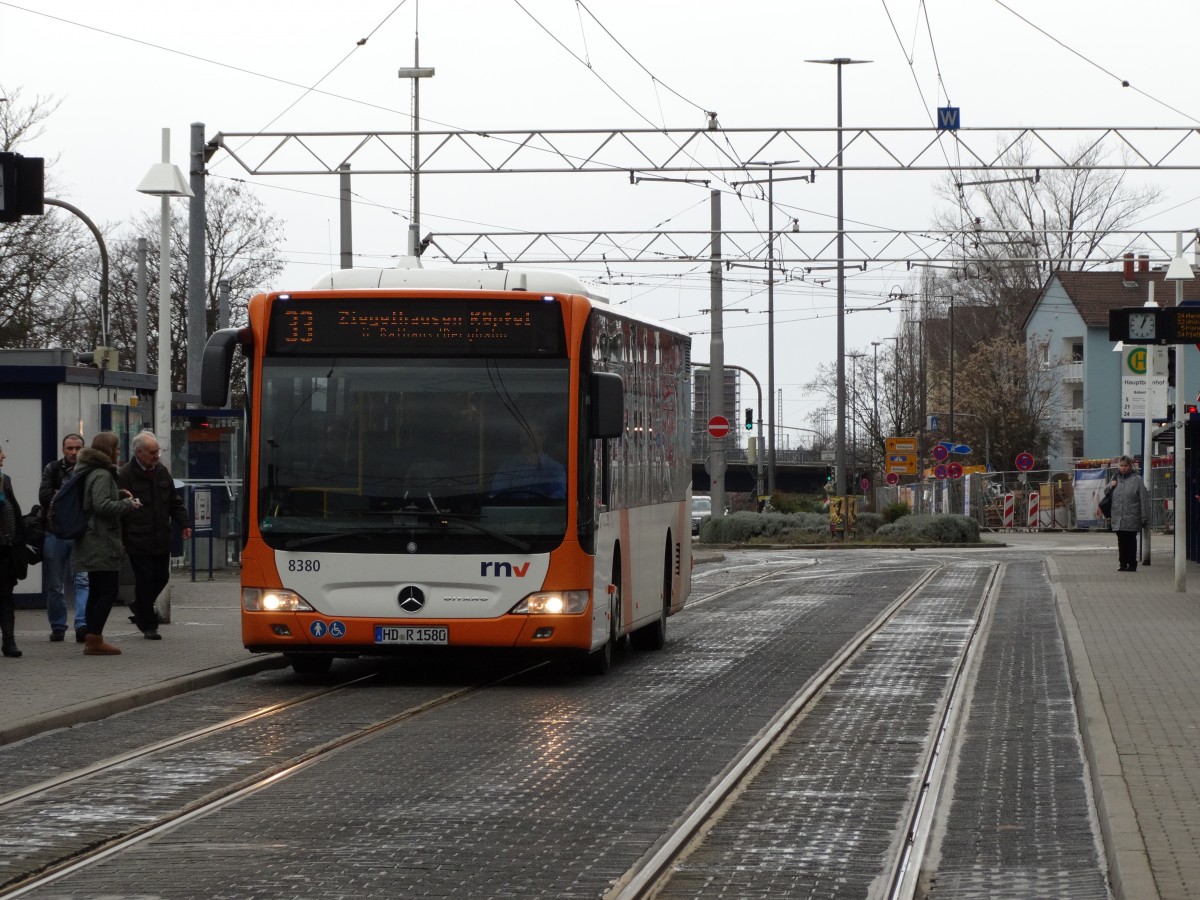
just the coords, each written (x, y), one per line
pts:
(334, 629)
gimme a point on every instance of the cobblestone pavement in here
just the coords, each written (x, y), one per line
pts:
(1131, 641)
(53, 684)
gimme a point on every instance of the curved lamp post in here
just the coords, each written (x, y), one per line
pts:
(103, 262)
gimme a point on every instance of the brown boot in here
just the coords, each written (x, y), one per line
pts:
(94, 645)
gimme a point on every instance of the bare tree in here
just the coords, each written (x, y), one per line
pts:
(1003, 402)
(1053, 223)
(21, 122)
(47, 263)
(242, 243)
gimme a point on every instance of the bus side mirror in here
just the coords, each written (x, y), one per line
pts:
(215, 366)
(606, 410)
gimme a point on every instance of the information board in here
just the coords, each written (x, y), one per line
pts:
(351, 326)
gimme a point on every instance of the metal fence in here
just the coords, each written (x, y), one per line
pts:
(1036, 499)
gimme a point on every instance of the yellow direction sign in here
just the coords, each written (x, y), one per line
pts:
(901, 444)
(901, 464)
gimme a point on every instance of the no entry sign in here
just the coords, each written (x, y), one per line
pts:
(718, 426)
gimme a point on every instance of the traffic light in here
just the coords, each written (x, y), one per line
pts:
(828, 474)
(749, 419)
(22, 187)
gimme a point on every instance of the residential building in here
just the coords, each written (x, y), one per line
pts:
(1067, 328)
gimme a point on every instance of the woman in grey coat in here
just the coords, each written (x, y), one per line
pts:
(98, 551)
(1130, 510)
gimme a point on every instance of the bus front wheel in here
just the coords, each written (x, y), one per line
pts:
(597, 662)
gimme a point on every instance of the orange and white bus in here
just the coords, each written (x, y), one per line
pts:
(489, 458)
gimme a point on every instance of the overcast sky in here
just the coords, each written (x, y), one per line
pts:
(125, 69)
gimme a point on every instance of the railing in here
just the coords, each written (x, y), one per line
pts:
(793, 457)
(1072, 371)
(984, 498)
(1072, 419)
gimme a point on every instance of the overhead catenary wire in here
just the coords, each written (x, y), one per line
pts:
(1125, 83)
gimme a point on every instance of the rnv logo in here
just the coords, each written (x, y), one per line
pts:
(503, 569)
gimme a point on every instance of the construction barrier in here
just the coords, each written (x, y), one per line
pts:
(1010, 509)
(1034, 509)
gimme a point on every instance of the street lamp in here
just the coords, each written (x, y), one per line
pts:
(1179, 272)
(416, 73)
(840, 458)
(164, 181)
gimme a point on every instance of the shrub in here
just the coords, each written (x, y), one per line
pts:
(797, 528)
(939, 529)
(869, 523)
(794, 503)
(895, 510)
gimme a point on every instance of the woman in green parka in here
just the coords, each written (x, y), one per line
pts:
(98, 551)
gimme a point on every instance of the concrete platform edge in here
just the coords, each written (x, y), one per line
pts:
(107, 706)
(1130, 876)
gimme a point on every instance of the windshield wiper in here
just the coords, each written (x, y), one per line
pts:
(484, 529)
(297, 543)
(313, 540)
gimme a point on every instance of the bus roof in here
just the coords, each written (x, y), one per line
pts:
(408, 275)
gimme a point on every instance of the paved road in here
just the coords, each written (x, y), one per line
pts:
(1132, 640)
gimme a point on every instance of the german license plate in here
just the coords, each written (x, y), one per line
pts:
(411, 634)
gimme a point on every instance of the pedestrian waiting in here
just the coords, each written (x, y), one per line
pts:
(98, 551)
(1130, 511)
(58, 552)
(14, 563)
(148, 528)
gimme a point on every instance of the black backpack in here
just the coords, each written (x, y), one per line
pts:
(66, 518)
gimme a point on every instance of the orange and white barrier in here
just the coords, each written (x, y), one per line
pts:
(1034, 510)
(1010, 509)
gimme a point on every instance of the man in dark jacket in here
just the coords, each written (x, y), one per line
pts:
(12, 567)
(147, 531)
(57, 564)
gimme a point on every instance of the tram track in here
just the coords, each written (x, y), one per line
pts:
(112, 762)
(92, 849)
(655, 871)
(69, 860)
(528, 729)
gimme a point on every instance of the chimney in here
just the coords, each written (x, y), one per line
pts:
(1143, 262)
(1127, 272)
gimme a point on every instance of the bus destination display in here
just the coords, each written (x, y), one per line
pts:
(400, 326)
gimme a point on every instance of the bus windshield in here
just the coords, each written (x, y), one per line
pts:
(413, 455)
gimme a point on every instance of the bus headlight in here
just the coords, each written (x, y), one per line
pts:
(271, 600)
(552, 603)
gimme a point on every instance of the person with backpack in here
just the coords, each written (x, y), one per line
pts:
(13, 563)
(98, 550)
(57, 551)
(148, 530)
